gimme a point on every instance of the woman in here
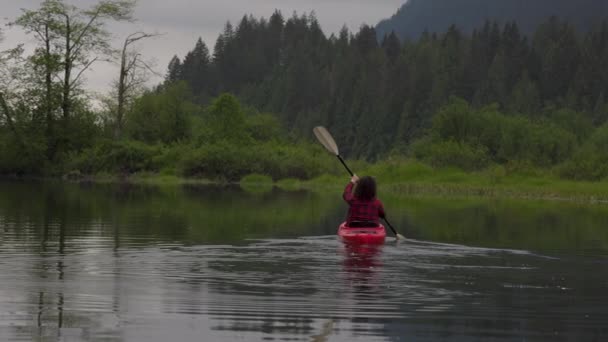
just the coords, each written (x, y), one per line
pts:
(365, 210)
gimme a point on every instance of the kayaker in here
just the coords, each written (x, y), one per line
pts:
(365, 209)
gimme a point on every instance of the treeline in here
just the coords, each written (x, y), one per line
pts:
(377, 96)
(49, 125)
(416, 16)
(473, 101)
(166, 133)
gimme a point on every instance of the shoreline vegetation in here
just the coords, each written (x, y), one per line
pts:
(396, 178)
(492, 113)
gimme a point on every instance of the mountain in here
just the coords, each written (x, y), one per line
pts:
(417, 16)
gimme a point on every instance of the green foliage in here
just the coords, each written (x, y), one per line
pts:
(263, 127)
(416, 16)
(397, 171)
(522, 103)
(170, 157)
(225, 121)
(232, 162)
(468, 138)
(590, 161)
(452, 153)
(116, 156)
(378, 96)
(162, 116)
(217, 162)
(22, 157)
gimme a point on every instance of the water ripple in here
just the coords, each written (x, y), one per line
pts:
(89, 287)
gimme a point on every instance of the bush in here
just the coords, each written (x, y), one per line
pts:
(590, 161)
(461, 131)
(163, 116)
(231, 163)
(15, 158)
(217, 162)
(452, 154)
(116, 156)
(170, 157)
(263, 127)
(585, 166)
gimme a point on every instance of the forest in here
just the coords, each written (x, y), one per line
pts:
(494, 96)
(416, 16)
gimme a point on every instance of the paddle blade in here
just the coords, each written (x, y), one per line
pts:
(326, 139)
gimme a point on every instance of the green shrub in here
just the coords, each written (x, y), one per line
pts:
(263, 127)
(231, 163)
(590, 161)
(453, 154)
(26, 157)
(502, 138)
(223, 162)
(116, 156)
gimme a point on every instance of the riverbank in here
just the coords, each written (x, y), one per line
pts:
(400, 178)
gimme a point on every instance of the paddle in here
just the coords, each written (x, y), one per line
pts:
(330, 144)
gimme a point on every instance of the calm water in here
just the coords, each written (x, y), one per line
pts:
(112, 263)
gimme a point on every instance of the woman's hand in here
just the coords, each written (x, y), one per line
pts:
(354, 179)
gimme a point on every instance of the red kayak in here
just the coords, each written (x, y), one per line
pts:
(370, 236)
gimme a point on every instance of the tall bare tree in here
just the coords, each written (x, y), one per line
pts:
(72, 39)
(10, 71)
(134, 73)
(44, 25)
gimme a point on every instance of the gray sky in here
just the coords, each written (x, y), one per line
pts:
(183, 21)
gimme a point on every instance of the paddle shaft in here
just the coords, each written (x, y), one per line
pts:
(343, 163)
(390, 226)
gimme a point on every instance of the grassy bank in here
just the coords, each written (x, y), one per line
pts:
(417, 179)
(408, 178)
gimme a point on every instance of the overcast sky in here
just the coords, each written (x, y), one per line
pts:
(183, 21)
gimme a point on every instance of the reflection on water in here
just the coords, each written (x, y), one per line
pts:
(105, 263)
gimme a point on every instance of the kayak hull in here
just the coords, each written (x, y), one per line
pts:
(367, 236)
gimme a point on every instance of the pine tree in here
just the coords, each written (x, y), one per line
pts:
(274, 39)
(174, 70)
(525, 98)
(391, 46)
(556, 45)
(366, 40)
(195, 69)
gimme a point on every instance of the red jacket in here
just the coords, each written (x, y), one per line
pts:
(362, 210)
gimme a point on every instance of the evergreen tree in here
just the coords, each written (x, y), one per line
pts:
(195, 69)
(174, 70)
(391, 46)
(274, 39)
(366, 40)
(557, 47)
(525, 98)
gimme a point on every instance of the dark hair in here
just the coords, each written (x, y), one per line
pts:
(366, 188)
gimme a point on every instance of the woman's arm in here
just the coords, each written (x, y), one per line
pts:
(381, 211)
(348, 191)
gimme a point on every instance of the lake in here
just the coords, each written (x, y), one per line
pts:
(82, 262)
